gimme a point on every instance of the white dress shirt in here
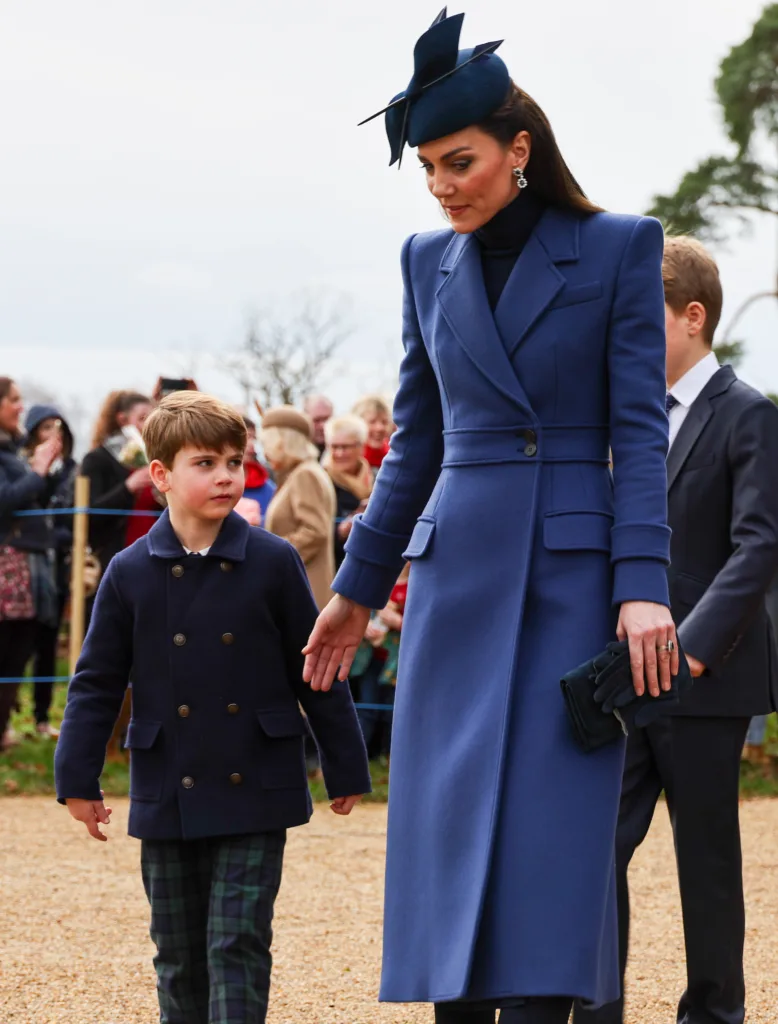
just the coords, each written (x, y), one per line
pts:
(688, 389)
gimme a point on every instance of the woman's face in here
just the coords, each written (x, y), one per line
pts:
(46, 430)
(471, 175)
(136, 416)
(378, 430)
(11, 410)
(346, 452)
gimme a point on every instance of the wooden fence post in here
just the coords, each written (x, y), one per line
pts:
(78, 565)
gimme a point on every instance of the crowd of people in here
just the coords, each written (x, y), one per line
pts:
(308, 472)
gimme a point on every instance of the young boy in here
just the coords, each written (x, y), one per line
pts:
(210, 615)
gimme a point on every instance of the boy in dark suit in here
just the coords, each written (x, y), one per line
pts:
(722, 480)
(211, 616)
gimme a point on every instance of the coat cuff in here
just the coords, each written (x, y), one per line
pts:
(376, 546)
(640, 541)
(640, 580)
(366, 583)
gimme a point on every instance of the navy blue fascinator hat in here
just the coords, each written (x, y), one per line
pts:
(450, 88)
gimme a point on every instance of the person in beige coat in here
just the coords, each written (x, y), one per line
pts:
(303, 508)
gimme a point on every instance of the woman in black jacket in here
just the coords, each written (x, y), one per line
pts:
(113, 485)
(27, 591)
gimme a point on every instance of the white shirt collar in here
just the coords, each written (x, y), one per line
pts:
(203, 552)
(688, 389)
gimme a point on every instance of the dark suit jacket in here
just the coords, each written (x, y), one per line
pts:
(214, 644)
(722, 475)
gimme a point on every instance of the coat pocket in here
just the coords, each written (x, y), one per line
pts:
(577, 293)
(147, 759)
(283, 753)
(577, 531)
(421, 539)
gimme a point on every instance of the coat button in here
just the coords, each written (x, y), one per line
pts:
(228, 638)
(236, 779)
(531, 448)
(183, 711)
(233, 709)
(225, 566)
(178, 571)
(179, 639)
(187, 782)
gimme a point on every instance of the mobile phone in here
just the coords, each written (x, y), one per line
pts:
(167, 385)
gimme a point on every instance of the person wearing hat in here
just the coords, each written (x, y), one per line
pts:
(534, 338)
(303, 508)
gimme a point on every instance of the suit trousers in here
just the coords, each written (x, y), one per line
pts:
(211, 913)
(696, 761)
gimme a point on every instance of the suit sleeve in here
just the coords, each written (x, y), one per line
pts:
(331, 715)
(408, 474)
(640, 539)
(95, 694)
(713, 629)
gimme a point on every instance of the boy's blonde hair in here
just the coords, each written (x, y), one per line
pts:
(190, 419)
(690, 274)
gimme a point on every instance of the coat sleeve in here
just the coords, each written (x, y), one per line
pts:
(100, 494)
(640, 539)
(17, 494)
(331, 715)
(406, 478)
(312, 513)
(95, 694)
(714, 628)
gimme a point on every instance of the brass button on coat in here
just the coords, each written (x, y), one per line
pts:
(179, 639)
(236, 779)
(233, 709)
(178, 571)
(228, 638)
(183, 711)
(225, 566)
(187, 782)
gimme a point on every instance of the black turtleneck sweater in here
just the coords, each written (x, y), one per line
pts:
(502, 239)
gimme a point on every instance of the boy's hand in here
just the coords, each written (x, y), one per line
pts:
(94, 813)
(344, 804)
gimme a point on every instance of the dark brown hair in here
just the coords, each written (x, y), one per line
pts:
(690, 274)
(190, 418)
(6, 383)
(116, 403)
(547, 173)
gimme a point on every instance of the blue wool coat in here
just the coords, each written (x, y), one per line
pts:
(500, 876)
(214, 644)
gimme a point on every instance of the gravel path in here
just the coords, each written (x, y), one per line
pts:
(74, 945)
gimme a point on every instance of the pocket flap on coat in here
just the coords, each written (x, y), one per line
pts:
(421, 538)
(141, 735)
(278, 723)
(577, 531)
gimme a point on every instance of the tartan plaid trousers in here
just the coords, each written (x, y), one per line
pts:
(211, 913)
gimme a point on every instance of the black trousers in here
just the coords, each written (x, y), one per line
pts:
(548, 1010)
(45, 663)
(17, 639)
(696, 761)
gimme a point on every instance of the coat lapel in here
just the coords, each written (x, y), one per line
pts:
(695, 422)
(465, 308)
(535, 282)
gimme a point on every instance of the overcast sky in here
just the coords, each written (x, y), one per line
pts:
(169, 166)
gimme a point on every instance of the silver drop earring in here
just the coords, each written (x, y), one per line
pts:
(518, 174)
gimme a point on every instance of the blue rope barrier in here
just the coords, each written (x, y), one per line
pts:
(28, 512)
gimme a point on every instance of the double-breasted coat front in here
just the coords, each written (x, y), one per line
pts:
(500, 874)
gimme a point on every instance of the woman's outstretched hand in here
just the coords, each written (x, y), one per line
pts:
(338, 632)
(649, 628)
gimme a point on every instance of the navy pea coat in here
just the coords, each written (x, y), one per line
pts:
(214, 645)
(500, 874)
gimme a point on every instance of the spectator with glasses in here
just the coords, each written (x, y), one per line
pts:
(349, 471)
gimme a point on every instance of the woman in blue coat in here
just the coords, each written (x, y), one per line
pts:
(534, 344)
